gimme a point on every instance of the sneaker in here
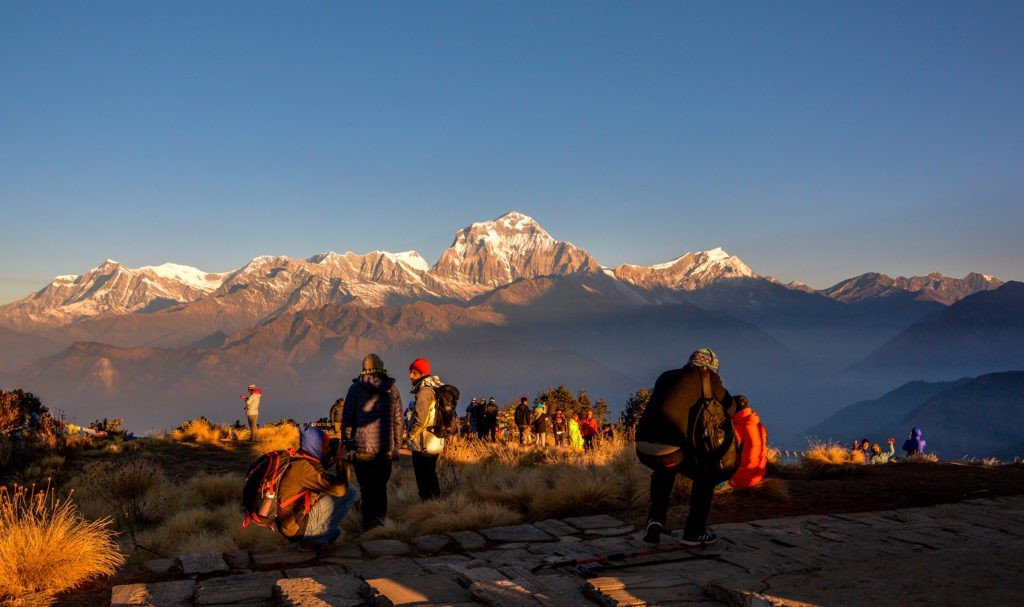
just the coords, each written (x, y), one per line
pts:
(653, 533)
(703, 539)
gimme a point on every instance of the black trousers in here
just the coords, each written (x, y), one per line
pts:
(373, 476)
(424, 466)
(701, 495)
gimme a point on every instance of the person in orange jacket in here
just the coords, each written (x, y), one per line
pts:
(754, 438)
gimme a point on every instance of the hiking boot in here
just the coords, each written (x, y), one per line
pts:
(653, 533)
(703, 539)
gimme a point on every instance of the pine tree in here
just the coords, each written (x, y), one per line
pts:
(635, 405)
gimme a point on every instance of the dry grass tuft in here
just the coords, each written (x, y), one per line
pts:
(920, 458)
(213, 490)
(46, 546)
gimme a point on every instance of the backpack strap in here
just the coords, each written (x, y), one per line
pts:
(705, 380)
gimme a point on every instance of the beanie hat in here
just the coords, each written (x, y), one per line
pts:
(705, 357)
(372, 365)
(420, 365)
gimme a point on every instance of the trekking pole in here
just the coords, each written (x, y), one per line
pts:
(617, 556)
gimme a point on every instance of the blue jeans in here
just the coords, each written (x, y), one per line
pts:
(324, 523)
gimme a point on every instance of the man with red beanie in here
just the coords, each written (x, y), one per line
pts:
(753, 436)
(424, 445)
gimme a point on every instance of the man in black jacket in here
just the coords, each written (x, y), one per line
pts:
(523, 419)
(372, 428)
(661, 434)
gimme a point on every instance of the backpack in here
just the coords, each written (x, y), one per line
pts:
(446, 400)
(712, 450)
(261, 490)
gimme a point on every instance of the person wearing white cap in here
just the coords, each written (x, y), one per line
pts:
(252, 409)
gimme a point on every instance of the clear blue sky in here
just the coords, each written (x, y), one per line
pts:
(816, 140)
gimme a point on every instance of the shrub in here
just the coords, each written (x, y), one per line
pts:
(46, 546)
(920, 458)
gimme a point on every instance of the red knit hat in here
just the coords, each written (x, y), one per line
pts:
(421, 365)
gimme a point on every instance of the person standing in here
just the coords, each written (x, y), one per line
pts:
(575, 436)
(424, 444)
(588, 428)
(491, 412)
(335, 415)
(559, 426)
(752, 434)
(252, 409)
(523, 419)
(664, 443)
(372, 430)
(541, 425)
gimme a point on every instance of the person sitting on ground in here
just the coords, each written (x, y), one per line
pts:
(878, 457)
(314, 500)
(754, 437)
(915, 444)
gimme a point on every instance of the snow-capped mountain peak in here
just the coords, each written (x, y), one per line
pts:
(510, 247)
(193, 277)
(687, 272)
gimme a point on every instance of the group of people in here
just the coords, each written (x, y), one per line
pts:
(873, 453)
(317, 490)
(536, 426)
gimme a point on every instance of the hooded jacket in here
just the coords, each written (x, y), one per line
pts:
(915, 444)
(754, 459)
(421, 439)
(306, 473)
(372, 415)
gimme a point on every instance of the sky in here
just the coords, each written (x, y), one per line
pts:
(815, 140)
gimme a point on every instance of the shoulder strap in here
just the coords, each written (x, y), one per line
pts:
(705, 378)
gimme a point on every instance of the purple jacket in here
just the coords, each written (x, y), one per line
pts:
(372, 415)
(914, 444)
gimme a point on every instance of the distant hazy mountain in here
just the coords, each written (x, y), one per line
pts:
(688, 272)
(933, 287)
(878, 417)
(978, 417)
(980, 333)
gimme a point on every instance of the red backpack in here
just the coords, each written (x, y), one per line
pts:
(260, 493)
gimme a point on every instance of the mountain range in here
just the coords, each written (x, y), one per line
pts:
(507, 309)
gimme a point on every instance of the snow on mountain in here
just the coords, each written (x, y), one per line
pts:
(489, 254)
(687, 272)
(109, 288)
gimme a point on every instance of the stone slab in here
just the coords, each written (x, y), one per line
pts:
(282, 558)
(468, 540)
(386, 567)
(441, 563)
(325, 590)
(247, 589)
(202, 563)
(431, 543)
(611, 531)
(160, 565)
(516, 533)
(376, 548)
(239, 559)
(597, 521)
(429, 589)
(161, 594)
(555, 527)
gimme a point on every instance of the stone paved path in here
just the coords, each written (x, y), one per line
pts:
(956, 554)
